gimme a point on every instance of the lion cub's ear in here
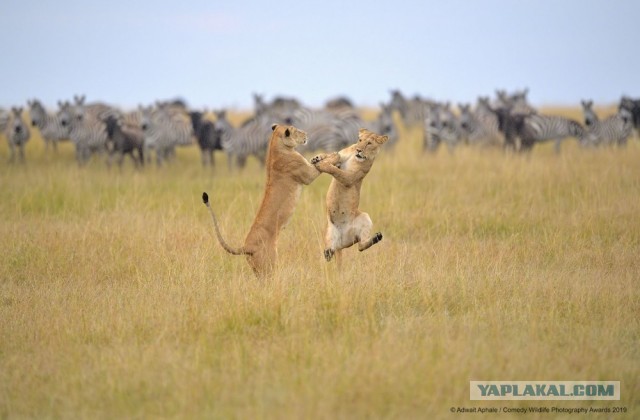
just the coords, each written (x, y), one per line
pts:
(382, 139)
(273, 127)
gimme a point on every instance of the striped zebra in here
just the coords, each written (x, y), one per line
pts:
(479, 128)
(17, 133)
(50, 125)
(516, 102)
(209, 140)
(87, 130)
(165, 127)
(250, 139)
(614, 129)
(633, 106)
(522, 131)
(124, 139)
(4, 119)
(441, 125)
(327, 131)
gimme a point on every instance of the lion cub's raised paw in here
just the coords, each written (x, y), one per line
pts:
(316, 159)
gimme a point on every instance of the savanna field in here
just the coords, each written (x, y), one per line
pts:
(116, 300)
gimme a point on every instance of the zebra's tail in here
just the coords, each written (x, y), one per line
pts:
(229, 249)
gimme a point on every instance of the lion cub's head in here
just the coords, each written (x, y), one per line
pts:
(289, 135)
(368, 145)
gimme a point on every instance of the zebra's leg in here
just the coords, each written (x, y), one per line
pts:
(557, 144)
(21, 151)
(121, 159)
(203, 158)
(110, 159)
(241, 161)
(12, 150)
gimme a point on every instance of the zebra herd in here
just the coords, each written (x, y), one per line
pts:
(507, 121)
(511, 122)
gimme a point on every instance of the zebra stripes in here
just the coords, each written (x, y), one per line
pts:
(50, 125)
(165, 127)
(250, 139)
(87, 131)
(539, 128)
(478, 127)
(613, 130)
(18, 134)
(441, 125)
(327, 130)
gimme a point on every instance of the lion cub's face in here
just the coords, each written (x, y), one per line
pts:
(368, 145)
(290, 135)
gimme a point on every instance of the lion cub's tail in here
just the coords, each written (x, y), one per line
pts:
(230, 250)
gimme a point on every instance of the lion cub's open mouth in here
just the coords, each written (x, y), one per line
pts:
(359, 155)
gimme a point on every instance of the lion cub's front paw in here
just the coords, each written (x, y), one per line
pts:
(317, 159)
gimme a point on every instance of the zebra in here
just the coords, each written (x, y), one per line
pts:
(441, 124)
(614, 129)
(87, 130)
(17, 132)
(327, 131)
(479, 127)
(633, 106)
(124, 138)
(209, 140)
(413, 111)
(4, 119)
(281, 107)
(338, 103)
(523, 130)
(165, 127)
(516, 102)
(250, 139)
(539, 128)
(51, 128)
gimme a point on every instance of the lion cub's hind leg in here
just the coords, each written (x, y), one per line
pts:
(356, 232)
(362, 226)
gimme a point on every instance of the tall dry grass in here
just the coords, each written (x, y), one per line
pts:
(116, 301)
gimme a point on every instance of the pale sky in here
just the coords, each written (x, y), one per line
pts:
(218, 53)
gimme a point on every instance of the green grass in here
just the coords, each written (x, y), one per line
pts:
(116, 301)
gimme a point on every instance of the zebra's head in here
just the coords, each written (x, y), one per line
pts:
(146, 114)
(590, 116)
(64, 114)
(17, 125)
(36, 112)
(466, 118)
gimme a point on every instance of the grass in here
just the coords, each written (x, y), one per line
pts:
(116, 301)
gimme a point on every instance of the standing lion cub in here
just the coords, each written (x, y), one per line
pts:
(346, 224)
(287, 171)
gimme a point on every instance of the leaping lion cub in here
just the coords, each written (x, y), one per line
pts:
(287, 171)
(346, 224)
